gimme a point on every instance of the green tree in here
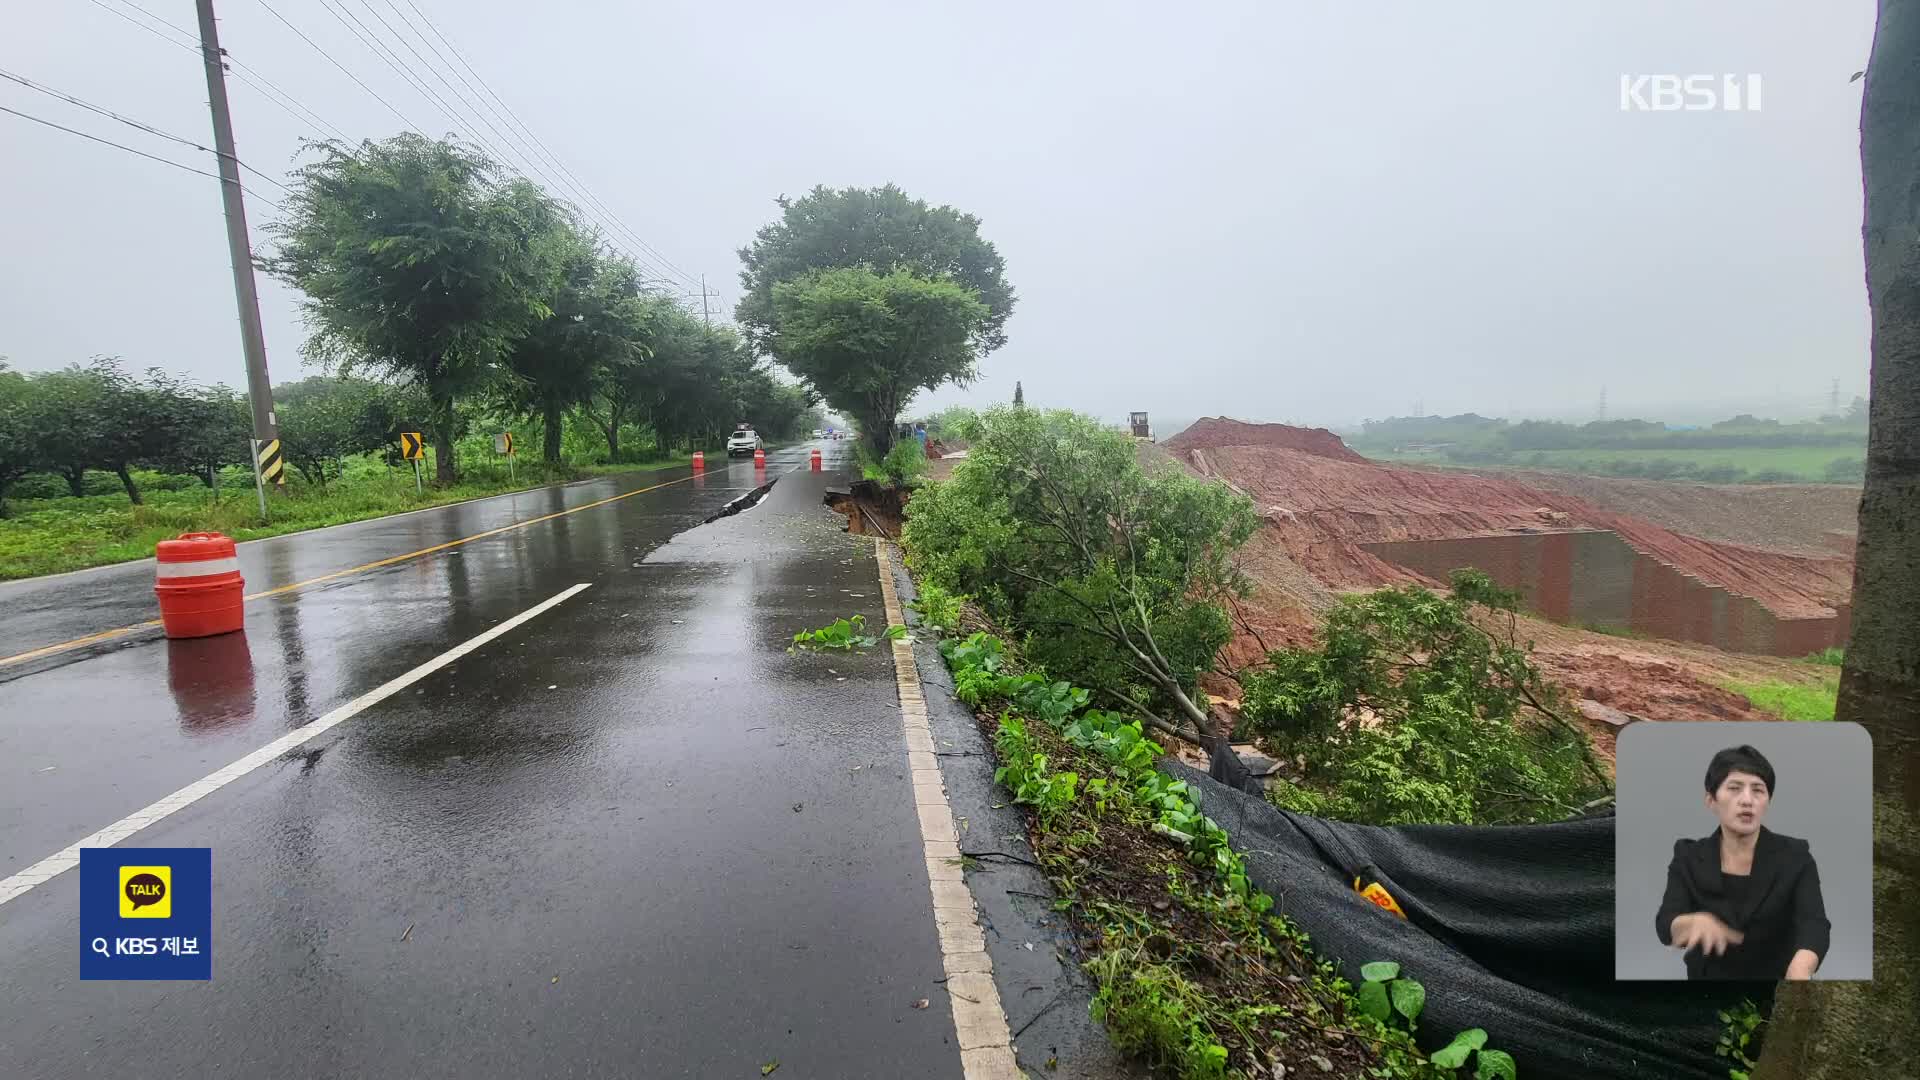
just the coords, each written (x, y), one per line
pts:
(210, 428)
(1828, 1030)
(1118, 576)
(868, 342)
(883, 230)
(98, 417)
(599, 322)
(1463, 728)
(19, 430)
(325, 420)
(630, 384)
(417, 258)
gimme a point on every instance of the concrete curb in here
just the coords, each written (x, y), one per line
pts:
(1033, 956)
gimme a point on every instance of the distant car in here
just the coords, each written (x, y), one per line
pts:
(819, 434)
(744, 441)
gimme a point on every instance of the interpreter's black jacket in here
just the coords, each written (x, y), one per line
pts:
(1778, 908)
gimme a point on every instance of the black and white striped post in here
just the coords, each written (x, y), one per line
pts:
(269, 467)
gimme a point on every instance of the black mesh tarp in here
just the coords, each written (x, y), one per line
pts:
(1509, 928)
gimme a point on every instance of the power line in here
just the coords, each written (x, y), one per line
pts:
(341, 14)
(369, 37)
(246, 73)
(343, 68)
(173, 25)
(547, 151)
(525, 161)
(130, 122)
(130, 150)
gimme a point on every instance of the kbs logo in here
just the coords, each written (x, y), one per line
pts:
(1689, 93)
(146, 892)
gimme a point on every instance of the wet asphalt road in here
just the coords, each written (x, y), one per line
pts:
(628, 836)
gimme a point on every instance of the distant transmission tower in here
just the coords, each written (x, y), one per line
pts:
(1833, 399)
(1601, 412)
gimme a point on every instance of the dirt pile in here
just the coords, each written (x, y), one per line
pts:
(1317, 510)
(1214, 431)
(1321, 510)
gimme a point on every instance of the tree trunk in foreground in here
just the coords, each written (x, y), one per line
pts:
(126, 481)
(1826, 1031)
(550, 438)
(444, 471)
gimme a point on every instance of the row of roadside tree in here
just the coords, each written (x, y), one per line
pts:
(438, 290)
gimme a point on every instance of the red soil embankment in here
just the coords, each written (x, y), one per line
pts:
(1212, 431)
(1322, 508)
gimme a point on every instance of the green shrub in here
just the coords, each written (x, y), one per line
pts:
(937, 607)
(903, 466)
(1462, 726)
(1152, 1010)
(1114, 577)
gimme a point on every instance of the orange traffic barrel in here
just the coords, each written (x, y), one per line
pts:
(759, 459)
(197, 578)
(699, 461)
(813, 459)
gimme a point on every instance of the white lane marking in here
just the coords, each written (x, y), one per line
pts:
(59, 863)
(979, 1020)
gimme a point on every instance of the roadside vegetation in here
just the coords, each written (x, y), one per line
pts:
(1192, 970)
(1105, 589)
(445, 297)
(1743, 449)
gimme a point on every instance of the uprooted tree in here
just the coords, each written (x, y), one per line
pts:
(1460, 725)
(1114, 575)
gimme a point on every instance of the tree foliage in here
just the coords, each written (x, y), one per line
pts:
(887, 273)
(1411, 711)
(599, 323)
(882, 229)
(201, 430)
(1116, 575)
(326, 419)
(868, 342)
(19, 431)
(417, 258)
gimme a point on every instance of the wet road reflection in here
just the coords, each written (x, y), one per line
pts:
(624, 838)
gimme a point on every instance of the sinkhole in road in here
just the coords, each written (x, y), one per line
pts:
(870, 508)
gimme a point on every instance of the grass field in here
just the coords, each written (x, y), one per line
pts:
(1807, 464)
(48, 536)
(1790, 700)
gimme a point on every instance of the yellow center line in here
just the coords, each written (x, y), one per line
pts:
(48, 650)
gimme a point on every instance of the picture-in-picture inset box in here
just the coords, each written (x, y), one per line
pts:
(1743, 851)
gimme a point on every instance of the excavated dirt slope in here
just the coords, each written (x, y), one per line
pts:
(1319, 502)
(1323, 508)
(1806, 519)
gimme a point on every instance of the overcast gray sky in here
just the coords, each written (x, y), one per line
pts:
(1310, 212)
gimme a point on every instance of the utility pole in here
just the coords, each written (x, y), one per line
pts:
(705, 312)
(268, 468)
